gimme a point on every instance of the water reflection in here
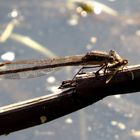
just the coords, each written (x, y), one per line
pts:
(60, 29)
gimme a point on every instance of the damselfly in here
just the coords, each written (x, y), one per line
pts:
(111, 68)
(116, 65)
(33, 68)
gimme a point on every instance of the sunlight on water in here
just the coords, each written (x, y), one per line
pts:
(8, 56)
(30, 30)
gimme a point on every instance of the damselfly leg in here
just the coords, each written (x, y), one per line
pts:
(108, 66)
(114, 68)
(81, 70)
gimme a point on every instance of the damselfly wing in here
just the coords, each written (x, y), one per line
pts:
(34, 68)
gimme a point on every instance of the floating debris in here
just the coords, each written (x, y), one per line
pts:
(84, 7)
(8, 30)
(27, 41)
(8, 56)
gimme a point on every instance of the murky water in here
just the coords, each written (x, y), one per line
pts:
(52, 24)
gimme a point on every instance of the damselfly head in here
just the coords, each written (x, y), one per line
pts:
(116, 56)
(124, 62)
(114, 68)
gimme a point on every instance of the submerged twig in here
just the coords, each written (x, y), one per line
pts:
(8, 30)
(27, 41)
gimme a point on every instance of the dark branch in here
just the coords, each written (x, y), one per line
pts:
(86, 91)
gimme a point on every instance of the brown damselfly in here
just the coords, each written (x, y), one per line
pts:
(34, 68)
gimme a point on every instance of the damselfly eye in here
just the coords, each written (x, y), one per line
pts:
(125, 61)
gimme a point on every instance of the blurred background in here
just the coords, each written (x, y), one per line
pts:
(38, 29)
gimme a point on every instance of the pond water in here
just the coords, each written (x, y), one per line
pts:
(55, 25)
